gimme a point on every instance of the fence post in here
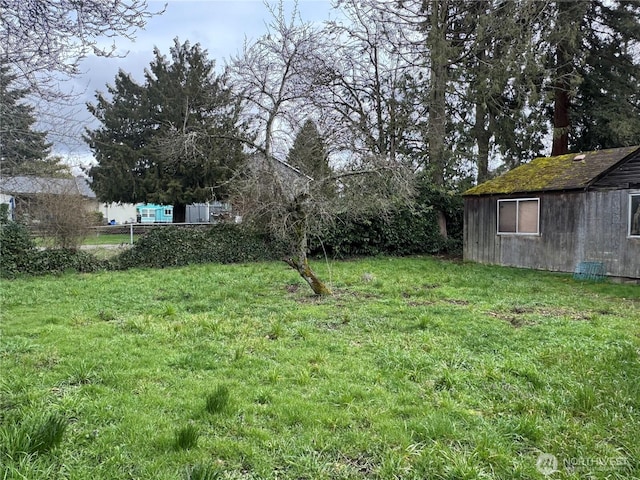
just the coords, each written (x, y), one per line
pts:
(131, 234)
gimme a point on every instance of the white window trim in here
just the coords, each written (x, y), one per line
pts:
(517, 201)
(630, 218)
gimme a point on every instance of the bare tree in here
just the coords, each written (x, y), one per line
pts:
(45, 40)
(368, 93)
(56, 209)
(279, 76)
(271, 75)
(44, 43)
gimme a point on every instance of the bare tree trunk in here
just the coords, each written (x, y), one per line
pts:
(299, 261)
(301, 265)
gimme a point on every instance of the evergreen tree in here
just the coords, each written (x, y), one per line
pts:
(596, 74)
(172, 140)
(606, 112)
(309, 153)
(22, 148)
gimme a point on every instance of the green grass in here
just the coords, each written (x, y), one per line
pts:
(416, 368)
(96, 239)
(109, 239)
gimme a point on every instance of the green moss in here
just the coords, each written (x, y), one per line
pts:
(553, 173)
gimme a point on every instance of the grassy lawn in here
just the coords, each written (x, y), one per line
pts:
(109, 239)
(415, 369)
(94, 239)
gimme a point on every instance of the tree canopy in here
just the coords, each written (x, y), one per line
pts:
(170, 140)
(45, 39)
(22, 148)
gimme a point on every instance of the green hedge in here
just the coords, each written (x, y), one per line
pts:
(19, 255)
(403, 230)
(222, 243)
(16, 249)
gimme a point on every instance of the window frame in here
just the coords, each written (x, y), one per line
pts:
(632, 197)
(517, 201)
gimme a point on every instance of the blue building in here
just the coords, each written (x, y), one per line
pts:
(152, 213)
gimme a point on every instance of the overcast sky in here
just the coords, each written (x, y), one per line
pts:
(220, 26)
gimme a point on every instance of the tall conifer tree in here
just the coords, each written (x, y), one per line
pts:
(172, 140)
(21, 145)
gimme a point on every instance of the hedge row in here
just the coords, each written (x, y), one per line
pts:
(162, 247)
(402, 231)
(222, 243)
(19, 255)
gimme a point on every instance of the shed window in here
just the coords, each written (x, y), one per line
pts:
(168, 212)
(148, 213)
(519, 216)
(634, 215)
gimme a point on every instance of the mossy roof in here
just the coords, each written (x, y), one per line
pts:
(555, 173)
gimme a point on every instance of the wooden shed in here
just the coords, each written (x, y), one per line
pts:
(557, 213)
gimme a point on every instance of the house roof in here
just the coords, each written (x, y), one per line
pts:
(564, 172)
(30, 185)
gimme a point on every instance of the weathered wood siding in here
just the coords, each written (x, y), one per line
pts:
(626, 175)
(574, 227)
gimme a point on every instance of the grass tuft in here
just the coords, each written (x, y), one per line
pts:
(186, 437)
(202, 471)
(218, 400)
(36, 435)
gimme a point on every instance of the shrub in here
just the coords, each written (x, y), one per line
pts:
(19, 255)
(176, 246)
(63, 260)
(401, 230)
(16, 249)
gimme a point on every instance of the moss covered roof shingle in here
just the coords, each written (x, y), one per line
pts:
(554, 173)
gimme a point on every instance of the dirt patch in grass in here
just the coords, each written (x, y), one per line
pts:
(521, 316)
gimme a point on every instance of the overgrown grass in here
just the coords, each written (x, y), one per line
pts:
(416, 368)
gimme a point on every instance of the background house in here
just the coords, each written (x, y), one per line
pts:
(554, 213)
(118, 212)
(26, 195)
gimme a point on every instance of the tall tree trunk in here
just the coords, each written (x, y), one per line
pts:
(561, 122)
(437, 127)
(436, 130)
(299, 262)
(570, 15)
(483, 138)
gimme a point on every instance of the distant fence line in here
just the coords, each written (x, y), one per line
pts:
(132, 229)
(140, 228)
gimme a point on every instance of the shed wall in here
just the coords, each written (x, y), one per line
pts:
(574, 227)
